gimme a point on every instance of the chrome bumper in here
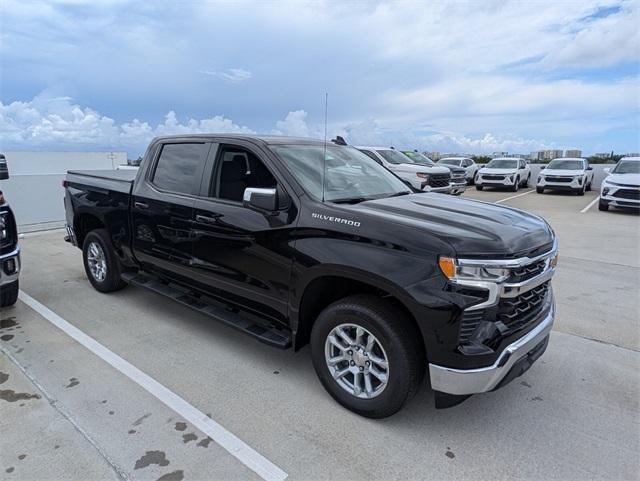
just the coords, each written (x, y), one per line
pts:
(472, 381)
(13, 276)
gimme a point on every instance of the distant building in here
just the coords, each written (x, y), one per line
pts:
(573, 153)
(632, 154)
(500, 154)
(433, 155)
(602, 155)
(536, 155)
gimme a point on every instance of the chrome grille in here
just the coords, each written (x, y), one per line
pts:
(518, 311)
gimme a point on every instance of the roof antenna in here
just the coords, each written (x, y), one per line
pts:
(324, 151)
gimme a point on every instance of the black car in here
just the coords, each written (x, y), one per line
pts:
(295, 242)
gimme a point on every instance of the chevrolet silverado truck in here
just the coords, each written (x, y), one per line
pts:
(9, 250)
(298, 241)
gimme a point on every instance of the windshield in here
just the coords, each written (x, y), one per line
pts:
(503, 164)
(627, 167)
(395, 157)
(350, 174)
(418, 158)
(454, 162)
(566, 164)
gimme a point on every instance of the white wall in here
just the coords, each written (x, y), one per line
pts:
(34, 188)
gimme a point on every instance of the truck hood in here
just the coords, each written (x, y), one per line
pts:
(472, 228)
(420, 168)
(627, 179)
(562, 172)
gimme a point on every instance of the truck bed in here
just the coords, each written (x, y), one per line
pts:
(117, 180)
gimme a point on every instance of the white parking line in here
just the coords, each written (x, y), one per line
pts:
(225, 439)
(514, 196)
(590, 205)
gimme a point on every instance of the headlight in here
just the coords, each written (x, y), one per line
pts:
(423, 175)
(605, 191)
(3, 228)
(452, 270)
(540, 178)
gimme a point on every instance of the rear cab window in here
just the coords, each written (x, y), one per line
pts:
(179, 167)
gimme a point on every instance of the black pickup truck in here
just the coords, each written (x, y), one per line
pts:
(9, 250)
(298, 241)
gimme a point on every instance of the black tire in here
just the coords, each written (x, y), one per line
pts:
(479, 187)
(540, 190)
(603, 206)
(516, 185)
(582, 190)
(400, 339)
(526, 182)
(112, 280)
(9, 294)
(589, 187)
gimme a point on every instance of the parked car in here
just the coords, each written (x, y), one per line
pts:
(508, 172)
(421, 177)
(621, 188)
(569, 174)
(9, 249)
(458, 181)
(297, 242)
(466, 163)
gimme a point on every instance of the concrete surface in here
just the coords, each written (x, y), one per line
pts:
(574, 415)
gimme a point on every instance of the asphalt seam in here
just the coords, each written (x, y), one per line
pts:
(57, 406)
(606, 343)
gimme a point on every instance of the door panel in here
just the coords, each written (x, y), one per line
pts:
(162, 219)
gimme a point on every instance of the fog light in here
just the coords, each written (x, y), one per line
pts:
(10, 266)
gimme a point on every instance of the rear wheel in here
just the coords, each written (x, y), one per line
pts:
(101, 263)
(589, 186)
(9, 294)
(526, 183)
(367, 355)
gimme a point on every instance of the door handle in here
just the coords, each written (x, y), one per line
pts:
(141, 205)
(206, 220)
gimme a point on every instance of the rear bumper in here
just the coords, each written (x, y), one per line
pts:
(10, 267)
(513, 361)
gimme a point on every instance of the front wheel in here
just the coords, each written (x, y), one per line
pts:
(540, 190)
(603, 206)
(368, 355)
(101, 263)
(479, 187)
(516, 185)
(9, 294)
(589, 187)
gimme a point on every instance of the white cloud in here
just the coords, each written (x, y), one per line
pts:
(231, 75)
(294, 124)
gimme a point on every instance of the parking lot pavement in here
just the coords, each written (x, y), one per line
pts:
(574, 415)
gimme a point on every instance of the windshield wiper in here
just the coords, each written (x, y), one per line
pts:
(398, 194)
(357, 200)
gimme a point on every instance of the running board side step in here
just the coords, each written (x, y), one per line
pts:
(218, 311)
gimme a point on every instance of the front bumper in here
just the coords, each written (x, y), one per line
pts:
(458, 188)
(574, 184)
(513, 361)
(614, 196)
(505, 182)
(10, 267)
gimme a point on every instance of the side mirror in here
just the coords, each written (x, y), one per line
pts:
(4, 169)
(589, 168)
(543, 167)
(607, 170)
(260, 199)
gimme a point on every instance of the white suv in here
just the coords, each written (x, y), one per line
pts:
(621, 188)
(508, 172)
(466, 163)
(567, 173)
(421, 177)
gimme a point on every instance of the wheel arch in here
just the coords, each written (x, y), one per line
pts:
(332, 284)
(85, 222)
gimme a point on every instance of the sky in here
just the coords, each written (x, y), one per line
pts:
(466, 77)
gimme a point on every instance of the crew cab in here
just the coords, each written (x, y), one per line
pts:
(468, 164)
(421, 177)
(566, 173)
(298, 241)
(621, 188)
(508, 172)
(458, 174)
(9, 250)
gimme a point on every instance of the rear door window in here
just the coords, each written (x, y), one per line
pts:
(180, 166)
